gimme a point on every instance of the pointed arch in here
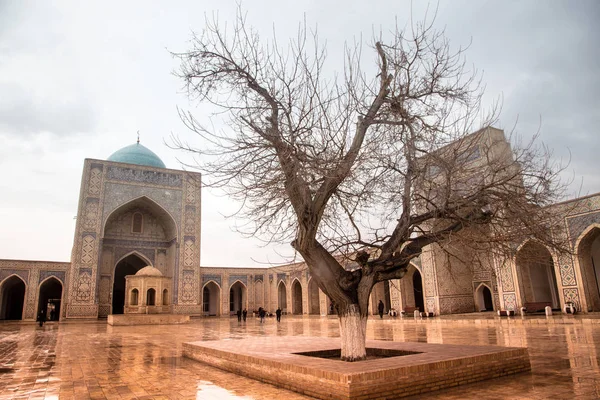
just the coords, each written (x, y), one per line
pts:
(282, 296)
(587, 250)
(314, 306)
(50, 295)
(296, 296)
(483, 297)
(536, 273)
(237, 296)
(211, 298)
(12, 297)
(129, 264)
(137, 254)
(169, 222)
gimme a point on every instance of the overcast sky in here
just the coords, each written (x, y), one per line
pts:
(79, 78)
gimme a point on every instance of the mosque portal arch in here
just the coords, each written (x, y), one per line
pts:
(313, 298)
(588, 257)
(537, 280)
(50, 297)
(282, 297)
(211, 295)
(237, 297)
(12, 292)
(128, 265)
(296, 297)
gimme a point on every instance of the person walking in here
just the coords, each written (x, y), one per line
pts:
(239, 315)
(278, 314)
(261, 314)
(244, 314)
(42, 317)
(380, 308)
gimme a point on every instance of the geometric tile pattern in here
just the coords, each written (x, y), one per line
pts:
(510, 301)
(567, 275)
(572, 295)
(188, 253)
(87, 249)
(83, 290)
(506, 278)
(241, 278)
(60, 275)
(189, 291)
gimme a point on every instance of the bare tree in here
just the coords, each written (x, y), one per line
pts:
(377, 162)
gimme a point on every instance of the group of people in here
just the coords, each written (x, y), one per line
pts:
(262, 313)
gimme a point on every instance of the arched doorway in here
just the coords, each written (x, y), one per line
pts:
(313, 298)
(282, 297)
(296, 297)
(483, 298)
(127, 266)
(417, 282)
(211, 293)
(151, 297)
(49, 298)
(411, 290)
(588, 253)
(537, 280)
(13, 298)
(237, 297)
(381, 291)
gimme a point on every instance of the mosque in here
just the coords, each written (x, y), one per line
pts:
(135, 213)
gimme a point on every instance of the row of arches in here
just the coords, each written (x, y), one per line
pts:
(134, 298)
(12, 295)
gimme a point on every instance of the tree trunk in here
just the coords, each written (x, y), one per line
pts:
(353, 332)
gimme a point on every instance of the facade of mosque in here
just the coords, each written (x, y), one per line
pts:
(134, 213)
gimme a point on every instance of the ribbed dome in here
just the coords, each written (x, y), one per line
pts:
(148, 271)
(137, 154)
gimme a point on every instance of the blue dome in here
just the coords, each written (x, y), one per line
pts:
(137, 154)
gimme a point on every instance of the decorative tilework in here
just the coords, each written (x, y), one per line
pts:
(506, 278)
(211, 277)
(430, 304)
(510, 301)
(5, 273)
(143, 176)
(241, 278)
(258, 278)
(83, 288)
(95, 180)
(189, 292)
(60, 275)
(281, 277)
(567, 275)
(87, 249)
(580, 223)
(188, 253)
(572, 295)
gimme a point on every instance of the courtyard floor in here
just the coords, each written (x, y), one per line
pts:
(97, 361)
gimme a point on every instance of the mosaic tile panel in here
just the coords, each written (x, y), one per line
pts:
(60, 275)
(510, 301)
(580, 223)
(572, 295)
(507, 278)
(567, 275)
(241, 278)
(5, 273)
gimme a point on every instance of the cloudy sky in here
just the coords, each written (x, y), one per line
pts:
(78, 79)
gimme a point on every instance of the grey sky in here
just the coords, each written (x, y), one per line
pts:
(78, 79)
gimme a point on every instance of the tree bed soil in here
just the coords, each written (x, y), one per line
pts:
(419, 367)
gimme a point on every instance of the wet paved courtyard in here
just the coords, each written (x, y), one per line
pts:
(97, 361)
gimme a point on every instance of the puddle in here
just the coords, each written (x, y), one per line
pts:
(208, 391)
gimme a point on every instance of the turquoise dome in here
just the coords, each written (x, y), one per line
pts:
(137, 154)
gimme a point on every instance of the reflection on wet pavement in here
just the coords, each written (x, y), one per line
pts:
(97, 361)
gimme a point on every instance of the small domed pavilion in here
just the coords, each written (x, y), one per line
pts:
(147, 292)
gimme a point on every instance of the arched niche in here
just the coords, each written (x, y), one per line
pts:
(411, 289)
(537, 280)
(12, 297)
(313, 298)
(282, 296)
(588, 256)
(296, 297)
(237, 297)
(50, 297)
(211, 295)
(128, 265)
(483, 298)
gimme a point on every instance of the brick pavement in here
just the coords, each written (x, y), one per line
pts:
(97, 361)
